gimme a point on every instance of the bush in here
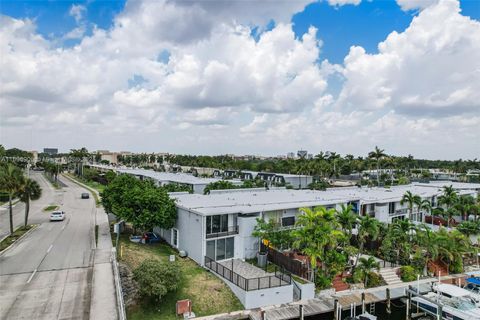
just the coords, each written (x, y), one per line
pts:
(156, 278)
(408, 273)
(456, 266)
(374, 280)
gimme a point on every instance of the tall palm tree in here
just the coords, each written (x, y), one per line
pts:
(366, 266)
(30, 190)
(411, 200)
(368, 227)
(464, 205)
(427, 206)
(11, 181)
(377, 154)
(448, 199)
(346, 218)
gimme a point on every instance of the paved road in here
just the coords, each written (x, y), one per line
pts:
(48, 274)
(49, 196)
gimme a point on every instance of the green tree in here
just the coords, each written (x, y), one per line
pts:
(157, 278)
(447, 200)
(365, 267)
(11, 182)
(316, 234)
(377, 154)
(411, 200)
(368, 227)
(30, 190)
(218, 185)
(139, 202)
(347, 219)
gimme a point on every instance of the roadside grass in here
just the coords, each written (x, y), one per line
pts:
(209, 295)
(53, 182)
(14, 237)
(91, 186)
(50, 208)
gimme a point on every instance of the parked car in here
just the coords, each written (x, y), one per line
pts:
(57, 216)
(85, 195)
(151, 237)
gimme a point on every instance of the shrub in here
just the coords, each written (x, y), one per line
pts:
(407, 273)
(456, 266)
(156, 278)
(374, 280)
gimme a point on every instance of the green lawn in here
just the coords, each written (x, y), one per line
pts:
(208, 293)
(13, 237)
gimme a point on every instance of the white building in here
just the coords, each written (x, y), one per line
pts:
(220, 225)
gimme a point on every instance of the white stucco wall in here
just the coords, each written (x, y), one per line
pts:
(246, 246)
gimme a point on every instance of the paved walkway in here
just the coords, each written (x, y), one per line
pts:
(245, 269)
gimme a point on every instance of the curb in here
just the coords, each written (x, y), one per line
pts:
(16, 241)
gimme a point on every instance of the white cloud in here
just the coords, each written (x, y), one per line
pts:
(430, 68)
(77, 12)
(407, 5)
(343, 2)
(237, 93)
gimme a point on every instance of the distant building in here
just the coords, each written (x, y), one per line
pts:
(302, 153)
(50, 151)
(290, 155)
(34, 156)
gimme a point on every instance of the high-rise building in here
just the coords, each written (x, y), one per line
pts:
(302, 154)
(50, 151)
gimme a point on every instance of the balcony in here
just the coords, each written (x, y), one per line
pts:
(225, 232)
(399, 212)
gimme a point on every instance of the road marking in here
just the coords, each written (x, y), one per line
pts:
(64, 226)
(30, 279)
(50, 248)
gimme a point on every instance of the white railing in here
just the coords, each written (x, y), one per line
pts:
(118, 287)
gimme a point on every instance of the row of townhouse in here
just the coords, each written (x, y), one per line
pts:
(196, 184)
(220, 225)
(297, 181)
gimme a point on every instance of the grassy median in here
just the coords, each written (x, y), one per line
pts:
(14, 236)
(208, 293)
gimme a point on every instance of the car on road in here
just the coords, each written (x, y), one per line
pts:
(151, 237)
(85, 195)
(57, 216)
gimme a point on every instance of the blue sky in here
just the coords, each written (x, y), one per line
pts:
(338, 27)
(243, 77)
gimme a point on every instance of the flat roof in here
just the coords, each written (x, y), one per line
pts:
(454, 184)
(251, 201)
(183, 178)
(167, 176)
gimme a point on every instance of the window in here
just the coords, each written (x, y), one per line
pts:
(217, 224)
(175, 238)
(288, 221)
(391, 207)
(211, 249)
(221, 249)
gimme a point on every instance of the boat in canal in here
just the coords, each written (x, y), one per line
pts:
(456, 303)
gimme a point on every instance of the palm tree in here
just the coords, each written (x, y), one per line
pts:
(448, 199)
(411, 200)
(464, 205)
(30, 190)
(346, 218)
(11, 181)
(366, 266)
(427, 206)
(377, 154)
(368, 227)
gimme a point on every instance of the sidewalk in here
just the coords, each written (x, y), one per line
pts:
(103, 305)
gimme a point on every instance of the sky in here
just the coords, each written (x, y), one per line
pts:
(242, 77)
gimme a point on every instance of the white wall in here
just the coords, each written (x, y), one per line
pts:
(246, 246)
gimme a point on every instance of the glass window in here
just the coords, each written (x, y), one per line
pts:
(209, 225)
(211, 249)
(215, 224)
(175, 237)
(224, 223)
(229, 248)
(288, 221)
(220, 249)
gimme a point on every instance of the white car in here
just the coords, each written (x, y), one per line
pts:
(57, 216)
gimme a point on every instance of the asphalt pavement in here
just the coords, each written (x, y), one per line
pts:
(48, 274)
